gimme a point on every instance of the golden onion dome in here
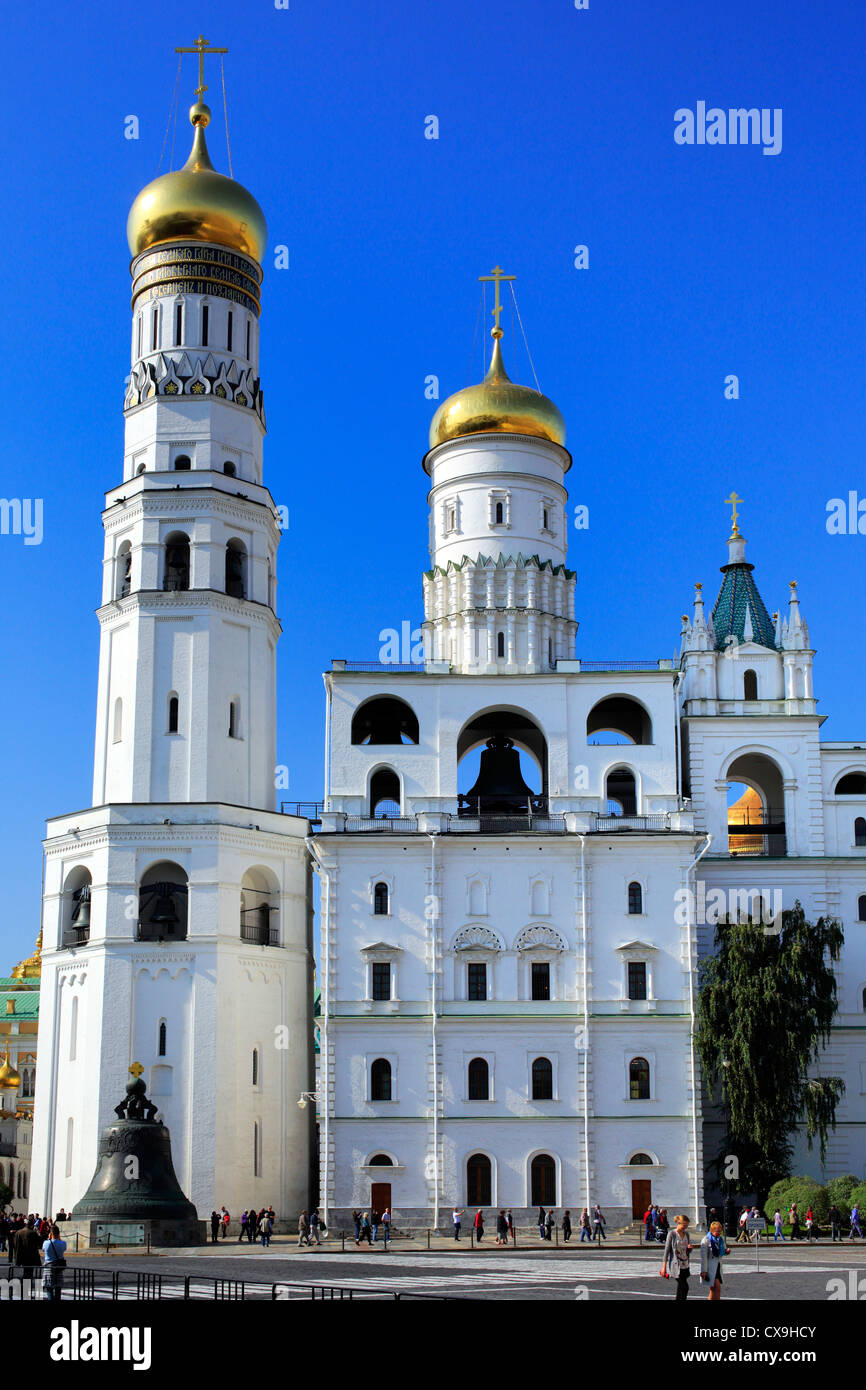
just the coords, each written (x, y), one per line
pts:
(497, 405)
(10, 1079)
(196, 203)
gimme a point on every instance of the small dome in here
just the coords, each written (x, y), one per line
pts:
(10, 1079)
(196, 203)
(497, 405)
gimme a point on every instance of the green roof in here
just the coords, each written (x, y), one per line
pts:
(26, 1003)
(738, 597)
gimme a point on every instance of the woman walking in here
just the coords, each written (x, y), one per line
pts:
(675, 1262)
(713, 1251)
(777, 1226)
(479, 1225)
(510, 1220)
(540, 1220)
(796, 1233)
(598, 1223)
(585, 1227)
(501, 1229)
(566, 1226)
(549, 1225)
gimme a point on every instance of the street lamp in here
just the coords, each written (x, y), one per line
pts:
(306, 1097)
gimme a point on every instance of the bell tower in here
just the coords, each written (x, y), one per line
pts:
(176, 910)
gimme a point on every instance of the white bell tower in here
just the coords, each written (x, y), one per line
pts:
(176, 916)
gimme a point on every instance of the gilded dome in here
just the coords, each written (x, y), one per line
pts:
(497, 405)
(10, 1079)
(196, 203)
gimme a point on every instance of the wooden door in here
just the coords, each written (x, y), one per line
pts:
(641, 1197)
(380, 1196)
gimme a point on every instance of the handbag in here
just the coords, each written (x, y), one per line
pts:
(55, 1263)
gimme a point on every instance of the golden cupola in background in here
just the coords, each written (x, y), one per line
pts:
(10, 1079)
(196, 203)
(497, 405)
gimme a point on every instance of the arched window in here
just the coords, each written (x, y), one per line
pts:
(73, 1029)
(542, 1079)
(234, 718)
(163, 1039)
(162, 903)
(381, 1161)
(176, 575)
(380, 900)
(386, 720)
(500, 644)
(154, 330)
(123, 571)
(236, 569)
(255, 1066)
(639, 1079)
(142, 468)
(205, 315)
(479, 1079)
(750, 685)
(863, 1000)
(860, 831)
(479, 1185)
(182, 464)
(543, 1181)
(76, 908)
(229, 331)
(117, 734)
(618, 719)
(70, 1141)
(621, 792)
(852, 784)
(499, 514)
(640, 1160)
(380, 1079)
(257, 1150)
(173, 713)
(229, 469)
(384, 793)
(861, 908)
(635, 899)
(178, 324)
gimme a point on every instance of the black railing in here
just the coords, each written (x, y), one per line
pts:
(148, 932)
(260, 936)
(660, 821)
(390, 823)
(309, 810)
(175, 585)
(89, 1285)
(76, 936)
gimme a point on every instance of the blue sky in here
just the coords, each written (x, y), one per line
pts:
(555, 129)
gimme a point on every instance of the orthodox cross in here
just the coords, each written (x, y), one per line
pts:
(732, 502)
(497, 275)
(136, 1069)
(201, 47)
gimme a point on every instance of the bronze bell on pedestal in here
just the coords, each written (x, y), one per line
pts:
(499, 788)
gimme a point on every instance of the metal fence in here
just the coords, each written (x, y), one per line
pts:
(88, 1285)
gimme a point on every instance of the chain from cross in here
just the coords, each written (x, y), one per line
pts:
(732, 502)
(497, 275)
(136, 1069)
(201, 47)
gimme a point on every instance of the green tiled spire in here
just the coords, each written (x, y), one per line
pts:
(739, 610)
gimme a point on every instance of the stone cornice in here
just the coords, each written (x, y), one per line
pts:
(182, 502)
(170, 600)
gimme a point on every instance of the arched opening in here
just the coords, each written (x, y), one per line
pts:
(499, 514)
(542, 1079)
(620, 792)
(182, 464)
(123, 570)
(173, 713)
(384, 720)
(380, 900)
(479, 1181)
(852, 784)
(863, 1000)
(618, 719)
(479, 1079)
(750, 685)
(860, 830)
(162, 1039)
(756, 807)
(176, 576)
(640, 1160)
(142, 468)
(255, 1067)
(502, 769)
(380, 1079)
(635, 899)
(230, 469)
(205, 324)
(500, 644)
(234, 718)
(639, 1079)
(236, 569)
(384, 793)
(162, 903)
(381, 1161)
(543, 1181)
(260, 908)
(76, 907)
(861, 908)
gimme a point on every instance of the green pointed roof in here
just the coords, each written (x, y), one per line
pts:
(739, 611)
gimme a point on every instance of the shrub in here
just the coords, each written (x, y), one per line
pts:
(839, 1190)
(858, 1195)
(805, 1191)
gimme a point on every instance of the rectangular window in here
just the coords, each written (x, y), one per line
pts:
(154, 330)
(178, 325)
(381, 979)
(540, 979)
(229, 333)
(248, 340)
(477, 981)
(637, 979)
(205, 313)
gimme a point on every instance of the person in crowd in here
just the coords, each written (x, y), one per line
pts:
(225, 1223)
(479, 1225)
(713, 1251)
(810, 1224)
(4, 1232)
(855, 1222)
(566, 1226)
(549, 1224)
(794, 1218)
(304, 1228)
(510, 1219)
(675, 1261)
(366, 1228)
(647, 1225)
(26, 1247)
(356, 1218)
(778, 1233)
(742, 1233)
(214, 1226)
(252, 1223)
(314, 1225)
(540, 1221)
(835, 1217)
(375, 1222)
(585, 1227)
(386, 1226)
(663, 1225)
(598, 1223)
(501, 1229)
(266, 1227)
(456, 1219)
(54, 1265)
(243, 1229)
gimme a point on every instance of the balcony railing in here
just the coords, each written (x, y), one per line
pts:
(76, 936)
(529, 822)
(260, 936)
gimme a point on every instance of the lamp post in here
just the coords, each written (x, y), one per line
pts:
(304, 1099)
(729, 1211)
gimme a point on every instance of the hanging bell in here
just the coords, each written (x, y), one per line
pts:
(81, 910)
(165, 912)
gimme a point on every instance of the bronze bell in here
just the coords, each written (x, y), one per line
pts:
(81, 910)
(165, 912)
(499, 788)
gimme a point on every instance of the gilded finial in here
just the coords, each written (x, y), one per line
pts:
(201, 47)
(136, 1069)
(497, 275)
(732, 502)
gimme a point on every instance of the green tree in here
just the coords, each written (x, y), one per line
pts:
(839, 1191)
(765, 1008)
(6, 1195)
